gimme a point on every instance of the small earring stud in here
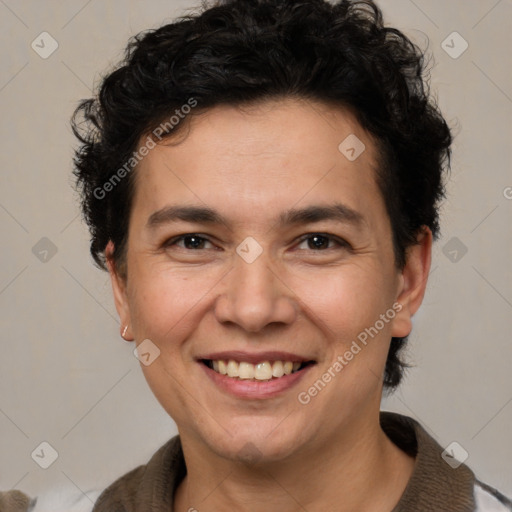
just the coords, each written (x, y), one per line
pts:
(124, 331)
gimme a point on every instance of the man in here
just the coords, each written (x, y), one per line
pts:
(262, 182)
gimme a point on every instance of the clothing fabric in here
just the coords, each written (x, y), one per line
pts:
(435, 486)
(57, 499)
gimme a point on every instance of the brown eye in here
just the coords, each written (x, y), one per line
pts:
(191, 241)
(320, 242)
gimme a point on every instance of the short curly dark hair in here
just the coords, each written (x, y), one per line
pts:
(239, 52)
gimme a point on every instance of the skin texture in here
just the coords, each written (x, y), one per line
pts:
(250, 165)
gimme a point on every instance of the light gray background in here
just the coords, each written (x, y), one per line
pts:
(67, 378)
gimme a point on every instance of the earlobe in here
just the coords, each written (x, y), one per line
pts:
(126, 334)
(413, 282)
(119, 291)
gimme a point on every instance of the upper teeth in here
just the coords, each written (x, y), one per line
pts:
(260, 371)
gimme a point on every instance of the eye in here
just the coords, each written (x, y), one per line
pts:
(320, 241)
(190, 241)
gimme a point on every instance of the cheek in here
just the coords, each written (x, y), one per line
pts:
(165, 309)
(162, 303)
(346, 300)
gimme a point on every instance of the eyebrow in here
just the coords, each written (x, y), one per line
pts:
(205, 215)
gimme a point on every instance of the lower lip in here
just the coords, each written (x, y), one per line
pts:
(255, 389)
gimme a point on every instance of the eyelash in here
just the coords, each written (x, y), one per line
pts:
(339, 241)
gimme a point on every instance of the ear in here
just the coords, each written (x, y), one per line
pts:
(119, 289)
(413, 282)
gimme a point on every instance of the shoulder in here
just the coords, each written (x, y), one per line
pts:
(488, 499)
(121, 494)
(55, 500)
(439, 481)
(150, 483)
(14, 501)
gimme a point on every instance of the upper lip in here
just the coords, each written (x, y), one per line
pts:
(254, 358)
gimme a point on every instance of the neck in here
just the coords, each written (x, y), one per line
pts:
(357, 468)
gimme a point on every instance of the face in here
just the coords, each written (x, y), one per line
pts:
(285, 254)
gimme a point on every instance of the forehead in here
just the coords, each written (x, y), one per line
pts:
(258, 160)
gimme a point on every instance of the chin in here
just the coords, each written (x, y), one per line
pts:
(253, 443)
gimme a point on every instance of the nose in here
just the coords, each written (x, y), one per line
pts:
(254, 295)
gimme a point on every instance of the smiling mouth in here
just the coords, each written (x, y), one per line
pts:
(263, 371)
